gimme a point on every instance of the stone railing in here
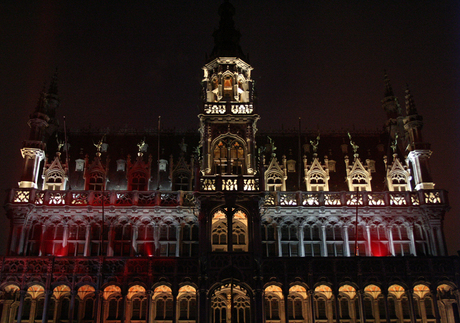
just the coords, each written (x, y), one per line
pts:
(219, 183)
(299, 198)
(226, 183)
(228, 108)
(117, 198)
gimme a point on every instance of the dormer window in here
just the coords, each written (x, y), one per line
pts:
(54, 181)
(96, 182)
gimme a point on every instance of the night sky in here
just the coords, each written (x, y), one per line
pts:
(122, 65)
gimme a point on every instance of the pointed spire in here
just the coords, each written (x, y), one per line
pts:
(226, 37)
(388, 88)
(410, 104)
(53, 85)
(41, 103)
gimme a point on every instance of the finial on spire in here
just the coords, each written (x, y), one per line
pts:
(410, 104)
(41, 104)
(388, 88)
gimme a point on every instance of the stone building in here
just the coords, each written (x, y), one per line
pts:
(229, 223)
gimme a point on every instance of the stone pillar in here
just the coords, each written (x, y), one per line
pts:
(87, 251)
(385, 303)
(311, 295)
(134, 241)
(410, 298)
(202, 307)
(46, 306)
(391, 245)
(22, 294)
(301, 246)
(98, 306)
(148, 304)
(410, 233)
(259, 305)
(367, 239)
(177, 240)
(434, 294)
(65, 238)
(174, 293)
(73, 293)
(346, 242)
(362, 312)
(278, 240)
(286, 303)
(323, 241)
(336, 303)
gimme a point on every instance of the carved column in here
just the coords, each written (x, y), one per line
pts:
(410, 298)
(73, 293)
(22, 294)
(346, 242)
(65, 239)
(362, 312)
(87, 251)
(46, 302)
(410, 233)
(367, 239)
(323, 241)
(286, 303)
(148, 304)
(311, 296)
(434, 294)
(278, 236)
(134, 241)
(174, 293)
(98, 306)
(301, 246)
(390, 241)
(385, 303)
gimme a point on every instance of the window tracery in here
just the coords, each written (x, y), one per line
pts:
(220, 231)
(398, 177)
(275, 176)
(316, 175)
(55, 175)
(229, 157)
(358, 177)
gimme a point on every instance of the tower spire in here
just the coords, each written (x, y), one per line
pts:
(226, 37)
(388, 88)
(410, 104)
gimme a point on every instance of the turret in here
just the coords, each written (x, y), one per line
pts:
(419, 151)
(228, 121)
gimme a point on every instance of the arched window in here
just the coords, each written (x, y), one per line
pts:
(273, 296)
(138, 299)
(138, 181)
(229, 157)
(401, 240)
(219, 231)
(297, 302)
(86, 294)
(181, 181)
(190, 240)
(145, 240)
(268, 240)
(96, 181)
(334, 241)
(33, 243)
(221, 303)
(163, 303)
(239, 229)
(323, 304)
(112, 296)
(186, 300)
(312, 241)
(168, 240)
(123, 240)
(228, 87)
(289, 240)
(54, 181)
(347, 301)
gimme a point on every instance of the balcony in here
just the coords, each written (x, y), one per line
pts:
(18, 196)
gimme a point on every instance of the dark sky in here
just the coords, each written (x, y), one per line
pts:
(124, 63)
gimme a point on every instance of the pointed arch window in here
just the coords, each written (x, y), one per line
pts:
(229, 157)
(163, 303)
(228, 87)
(220, 231)
(181, 181)
(312, 241)
(96, 181)
(274, 182)
(289, 241)
(138, 181)
(54, 181)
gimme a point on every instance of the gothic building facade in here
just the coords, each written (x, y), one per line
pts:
(227, 224)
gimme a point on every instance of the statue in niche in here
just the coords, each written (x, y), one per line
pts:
(99, 144)
(271, 144)
(394, 144)
(183, 146)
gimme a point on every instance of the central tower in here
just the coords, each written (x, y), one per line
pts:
(228, 119)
